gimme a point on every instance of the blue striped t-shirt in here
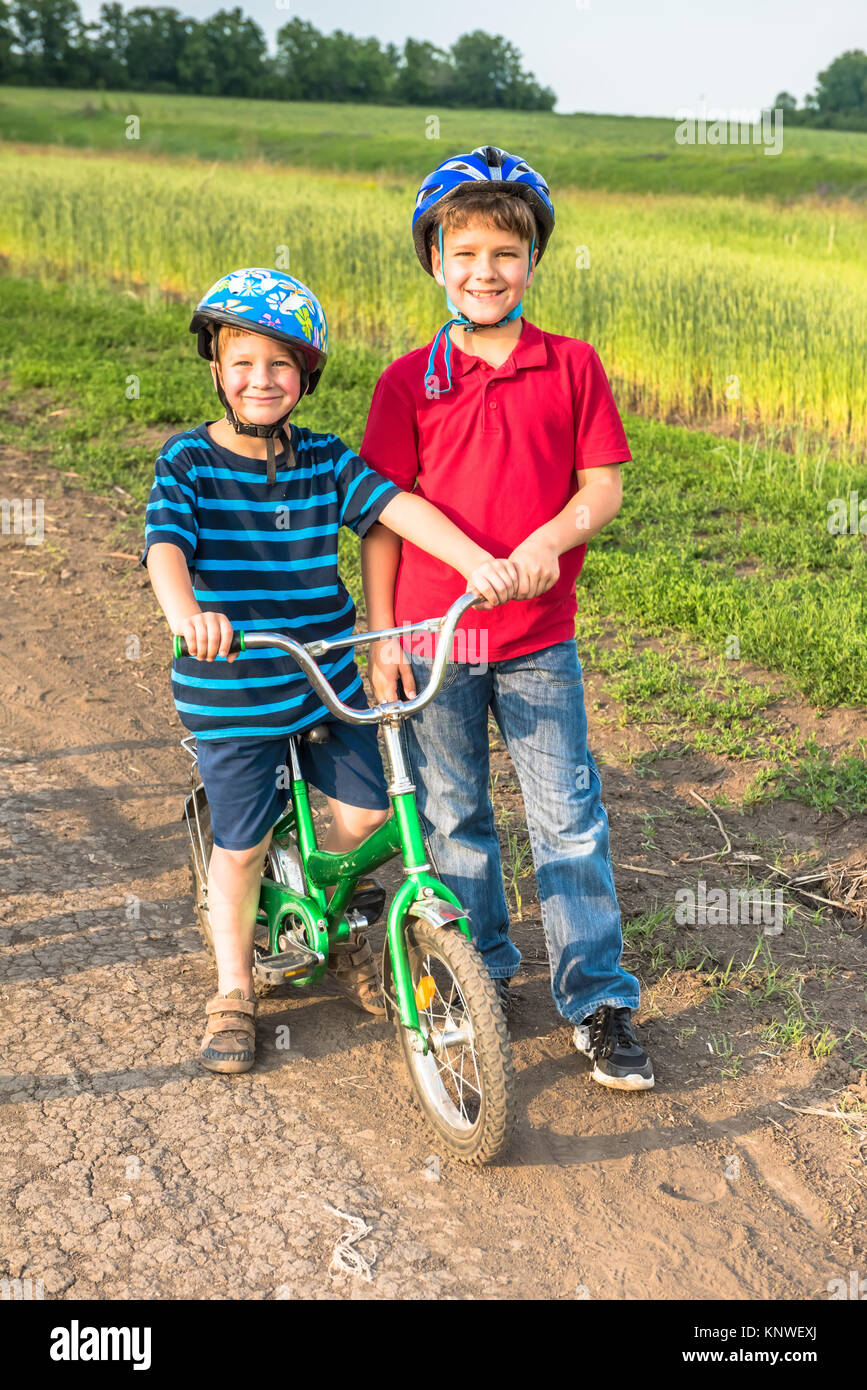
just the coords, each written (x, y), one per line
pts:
(266, 556)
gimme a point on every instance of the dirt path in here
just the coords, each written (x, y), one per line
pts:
(129, 1172)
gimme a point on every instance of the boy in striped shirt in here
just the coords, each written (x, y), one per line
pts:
(238, 535)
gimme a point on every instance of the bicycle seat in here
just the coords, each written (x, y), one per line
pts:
(317, 733)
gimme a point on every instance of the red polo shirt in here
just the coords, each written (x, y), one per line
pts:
(498, 455)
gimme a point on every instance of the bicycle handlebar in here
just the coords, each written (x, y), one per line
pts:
(304, 655)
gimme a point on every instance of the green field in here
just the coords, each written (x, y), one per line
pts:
(733, 328)
(624, 154)
(707, 310)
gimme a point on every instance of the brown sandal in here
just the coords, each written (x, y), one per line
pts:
(229, 1044)
(352, 970)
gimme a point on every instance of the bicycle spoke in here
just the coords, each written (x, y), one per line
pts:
(461, 1084)
(458, 1084)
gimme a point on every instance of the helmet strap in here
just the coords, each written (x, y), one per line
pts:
(461, 321)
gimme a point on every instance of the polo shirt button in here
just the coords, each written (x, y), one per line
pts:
(492, 405)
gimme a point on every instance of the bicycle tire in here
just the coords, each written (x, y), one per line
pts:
(482, 1139)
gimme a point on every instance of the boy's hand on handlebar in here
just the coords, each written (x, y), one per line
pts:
(388, 660)
(495, 580)
(208, 635)
(539, 567)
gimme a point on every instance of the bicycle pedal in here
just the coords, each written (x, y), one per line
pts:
(369, 899)
(287, 965)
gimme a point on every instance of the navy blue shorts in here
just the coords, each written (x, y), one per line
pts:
(240, 777)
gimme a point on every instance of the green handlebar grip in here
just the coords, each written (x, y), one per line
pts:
(237, 644)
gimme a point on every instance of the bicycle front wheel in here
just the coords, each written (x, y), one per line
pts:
(465, 1084)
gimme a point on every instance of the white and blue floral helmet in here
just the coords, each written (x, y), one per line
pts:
(278, 306)
(269, 302)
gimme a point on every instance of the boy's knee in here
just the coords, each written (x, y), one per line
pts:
(245, 858)
(366, 819)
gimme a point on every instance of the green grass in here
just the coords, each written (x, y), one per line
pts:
(517, 859)
(689, 704)
(650, 930)
(795, 1033)
(618, 153)
(768, 987)
(670, 560)
(817, 780)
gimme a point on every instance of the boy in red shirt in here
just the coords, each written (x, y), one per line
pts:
(514, 434)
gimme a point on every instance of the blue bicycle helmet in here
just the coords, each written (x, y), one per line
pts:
(463, 172)
(278, 306)
(451, 180)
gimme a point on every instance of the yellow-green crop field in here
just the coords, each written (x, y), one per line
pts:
(707, 310)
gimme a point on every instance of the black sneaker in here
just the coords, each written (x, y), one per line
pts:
(606, 1037)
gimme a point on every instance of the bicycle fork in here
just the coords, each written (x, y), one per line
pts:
(420, 896)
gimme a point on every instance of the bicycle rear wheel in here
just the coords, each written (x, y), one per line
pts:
(465, 1084)
(201, 845)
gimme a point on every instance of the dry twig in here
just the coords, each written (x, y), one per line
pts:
(697, 859)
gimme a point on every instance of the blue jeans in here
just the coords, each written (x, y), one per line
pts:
(537, 701)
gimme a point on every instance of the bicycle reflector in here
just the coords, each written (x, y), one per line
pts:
(425, 991)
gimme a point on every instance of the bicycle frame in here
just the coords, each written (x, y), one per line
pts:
(324, 922)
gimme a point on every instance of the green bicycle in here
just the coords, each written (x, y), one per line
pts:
(438, 991)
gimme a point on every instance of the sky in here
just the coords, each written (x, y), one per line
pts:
(622, 57)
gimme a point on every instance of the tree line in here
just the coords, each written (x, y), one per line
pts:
(840, 99)
(46, 43)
